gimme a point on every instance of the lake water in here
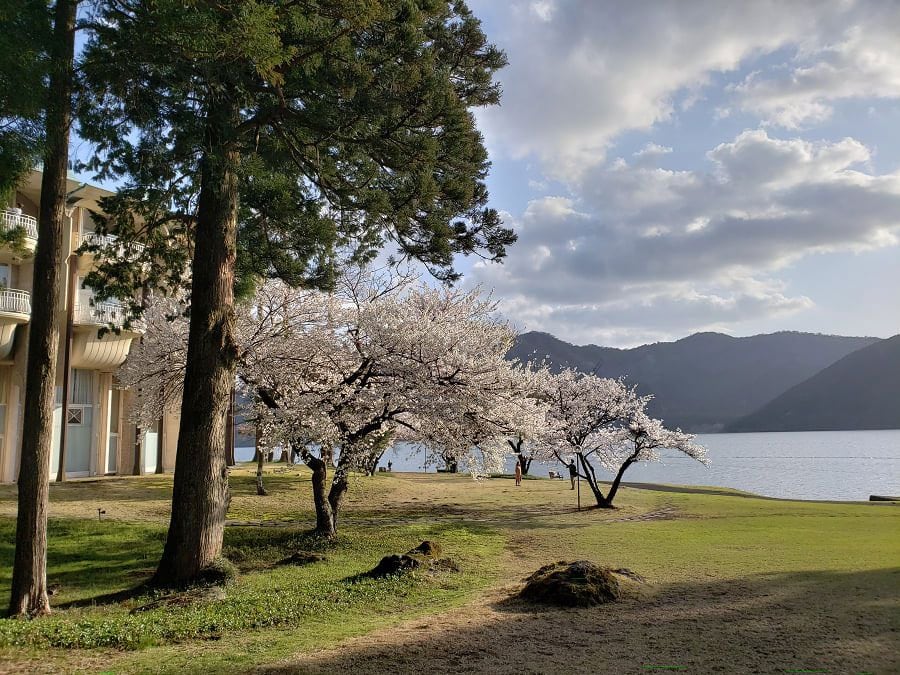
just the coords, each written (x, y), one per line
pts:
(838, 465)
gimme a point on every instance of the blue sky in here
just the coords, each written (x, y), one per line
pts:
(674, 167)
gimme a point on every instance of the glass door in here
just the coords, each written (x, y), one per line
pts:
(151, 445)
(112, 443)
(79, 421)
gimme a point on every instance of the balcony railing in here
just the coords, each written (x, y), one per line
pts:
(105, 240)
(13, 301)
(10, 221)
(101, 314)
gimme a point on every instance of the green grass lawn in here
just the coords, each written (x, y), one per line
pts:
(318, 603)
(496, 532)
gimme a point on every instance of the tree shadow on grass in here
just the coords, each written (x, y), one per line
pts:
(834, 622)
(251, 549)
(104, 563)
(525, 517)
(85, 555)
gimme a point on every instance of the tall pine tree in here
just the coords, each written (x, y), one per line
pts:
(278, 138)
(24, 38)
(51, 121)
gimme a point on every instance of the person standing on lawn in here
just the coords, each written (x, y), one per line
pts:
(518, 473)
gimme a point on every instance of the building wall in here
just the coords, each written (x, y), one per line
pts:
(100, 361)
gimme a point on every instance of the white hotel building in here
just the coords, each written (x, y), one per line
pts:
(99, 439)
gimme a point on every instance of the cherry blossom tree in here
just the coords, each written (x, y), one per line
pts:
(582, 408)
(599, 420)
(638, 440)
(525, 417)
(477, 431)
(155, 367)
(334, 376)
(392, 356)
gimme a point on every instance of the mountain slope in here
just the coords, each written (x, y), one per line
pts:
(705, 381)
(861, 391)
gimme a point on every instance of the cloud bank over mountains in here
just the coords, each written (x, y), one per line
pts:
(686, 160)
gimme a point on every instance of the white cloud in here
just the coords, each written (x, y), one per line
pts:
(755, 158)
(584, 71)
(623, 250)
(863, 63)
(647, 252)
(543, 9)
(653, 150)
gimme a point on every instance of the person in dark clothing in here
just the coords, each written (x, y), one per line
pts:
(573, 472)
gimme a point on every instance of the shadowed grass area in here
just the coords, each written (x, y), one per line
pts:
(88, 558)
(92, 559)
(114, 558)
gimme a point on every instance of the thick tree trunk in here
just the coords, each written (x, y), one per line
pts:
(372, 462)
(591, 478)
(200, 490)
(525, 463)
(285, 457)
(614, 488)
(325, 521)
(260, 460)
(336, 494)
(28, 595)
(137, 466)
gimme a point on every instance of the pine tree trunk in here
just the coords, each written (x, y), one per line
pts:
(67, 369)
(200, 489)
(29, 580)
(325, 522)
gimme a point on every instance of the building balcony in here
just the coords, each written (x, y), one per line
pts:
(15, 309)
(11, 221)
(15, 304)
(100, 352)
(129, 250)
(110, 314)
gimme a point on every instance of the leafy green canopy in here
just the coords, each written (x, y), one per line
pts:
(24, 36)
(352, 128)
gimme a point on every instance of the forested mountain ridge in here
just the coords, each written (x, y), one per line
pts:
(860, 391)
(707, 380)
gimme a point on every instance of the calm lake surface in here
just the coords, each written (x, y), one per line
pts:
(838, 465)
